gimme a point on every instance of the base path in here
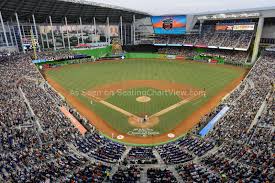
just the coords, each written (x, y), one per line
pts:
(168, 109)
(118, 109)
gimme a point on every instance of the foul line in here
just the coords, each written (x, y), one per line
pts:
(128, 114)
(172, 107)
(118, 109)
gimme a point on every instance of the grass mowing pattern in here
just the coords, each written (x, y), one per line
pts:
(78, 78)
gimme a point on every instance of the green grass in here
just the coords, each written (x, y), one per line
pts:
(77, 78)
(159, 100)
(97, 52)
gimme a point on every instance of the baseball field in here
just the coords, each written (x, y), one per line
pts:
(144, 101)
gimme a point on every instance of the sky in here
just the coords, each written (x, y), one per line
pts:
(161, 7)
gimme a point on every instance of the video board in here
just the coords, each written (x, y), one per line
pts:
(169, 24)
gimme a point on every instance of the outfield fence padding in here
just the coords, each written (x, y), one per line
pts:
(145, 55)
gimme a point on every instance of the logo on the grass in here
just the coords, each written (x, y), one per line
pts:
(143, 132)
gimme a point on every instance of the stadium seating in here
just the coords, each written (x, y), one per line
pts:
(39, 144)
(230, 56)
(210, 37)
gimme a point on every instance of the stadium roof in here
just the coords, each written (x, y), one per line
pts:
(72, 9)
(260, 9)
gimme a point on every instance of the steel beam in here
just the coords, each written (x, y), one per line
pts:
(19, 31)
(4, 30)
(54, 46)
(35, 31)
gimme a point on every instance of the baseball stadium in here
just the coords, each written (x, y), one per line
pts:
(123, 93)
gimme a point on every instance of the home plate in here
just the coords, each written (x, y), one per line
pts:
(120, 137)
(171, 135)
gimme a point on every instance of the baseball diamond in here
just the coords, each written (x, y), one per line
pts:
(174, 92)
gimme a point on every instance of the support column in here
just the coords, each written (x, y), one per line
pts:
(81, 30)
(95, 30)
(23, 31)
(68, 36)
(132, 39)
(54, 46)
(200, 28)
(134, 29)
(108, 30)
(62, 34)
(12, 43)
(4, 30)
(125, 32)
(42, 41)
(15, 38)
(19, 31)
(47, 40)
(77, 34)
(257, 39)
(121, 31)
(36, 33)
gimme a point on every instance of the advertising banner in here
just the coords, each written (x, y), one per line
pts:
(188, 45)
(232, 27)
(212, 47)
(224, 27)
(174, 45)
(201, 46)
(226, 48)
(171, 56)
(180, 57)
(169, 24)
(243, 27)
(160, 44)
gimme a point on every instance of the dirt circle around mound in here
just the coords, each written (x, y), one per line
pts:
(141, 123)
(143, 99)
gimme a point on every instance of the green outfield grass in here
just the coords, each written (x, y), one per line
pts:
(78, 78)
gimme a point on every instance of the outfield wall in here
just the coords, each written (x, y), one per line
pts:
(145, 55)
(96, 53)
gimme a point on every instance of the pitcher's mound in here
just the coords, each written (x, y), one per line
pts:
(139, 123)
(143, 99)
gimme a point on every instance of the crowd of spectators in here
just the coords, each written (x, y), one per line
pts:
(39, 144)
(57, 55)
(210, 37)
(193, 172)
(157, 175)
(141, 156)
(229, 56)
(127, 174)
(100, 148)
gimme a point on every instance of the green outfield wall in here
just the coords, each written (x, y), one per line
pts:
(96, 53)
(145, 55)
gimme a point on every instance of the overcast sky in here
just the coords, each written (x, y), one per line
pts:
(159, 7)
